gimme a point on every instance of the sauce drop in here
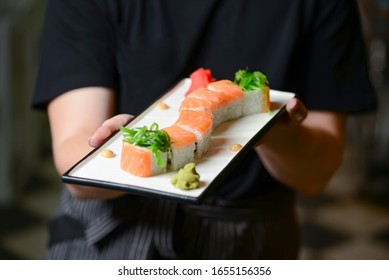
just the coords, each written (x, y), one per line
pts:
(235, 147)
(107, 153)
(162, 106)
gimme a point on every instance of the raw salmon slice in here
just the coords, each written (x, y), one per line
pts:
(219, 103)
(206, 94)
(140, 161)
(199, 123)
(180, 137)
(226, 87)
(196, 104)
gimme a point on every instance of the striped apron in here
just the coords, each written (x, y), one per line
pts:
(135, 227)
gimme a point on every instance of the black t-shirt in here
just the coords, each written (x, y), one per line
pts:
(141, 48)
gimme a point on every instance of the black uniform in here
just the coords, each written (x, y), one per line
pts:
(141, 48)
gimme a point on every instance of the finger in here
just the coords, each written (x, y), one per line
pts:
(109, 127)
(297, 111)
(117, 121)
(101, 134)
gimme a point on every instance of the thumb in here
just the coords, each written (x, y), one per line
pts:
(296, 110)
(108, 128)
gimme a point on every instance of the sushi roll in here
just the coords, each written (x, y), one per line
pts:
(200, 124)
(256, 101)
(219, 102)
(144, 150)
(140, 161)
(232, 93)
(256, 91)
(183, 145)
(208, 103)
(196, 104)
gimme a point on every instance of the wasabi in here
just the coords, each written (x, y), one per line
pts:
(187, 178)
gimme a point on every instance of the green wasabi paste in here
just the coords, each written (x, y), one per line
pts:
(187, 178)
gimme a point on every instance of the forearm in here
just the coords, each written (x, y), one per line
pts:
(72, 128)
(306, 157)
(68, 153)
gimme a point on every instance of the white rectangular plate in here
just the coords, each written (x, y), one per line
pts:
(95, 170)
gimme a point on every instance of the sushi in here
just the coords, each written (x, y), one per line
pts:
(256, 101)
(144, 150)
(200, 124)
(182, 149)
(234, 94)
(140, 161)
(256, 90)
(207, 104)
(206, 100)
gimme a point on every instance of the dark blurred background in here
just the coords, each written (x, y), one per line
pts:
(349, 221)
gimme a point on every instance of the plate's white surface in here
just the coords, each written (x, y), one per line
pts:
(95, 169)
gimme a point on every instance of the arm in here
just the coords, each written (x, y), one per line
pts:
(305, 149)
(74, 117)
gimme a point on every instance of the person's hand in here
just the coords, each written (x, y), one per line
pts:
(109, 127)
(303, 150)
(296, 112)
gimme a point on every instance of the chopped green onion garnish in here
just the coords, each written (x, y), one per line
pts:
(247, 80)
(151, 138)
